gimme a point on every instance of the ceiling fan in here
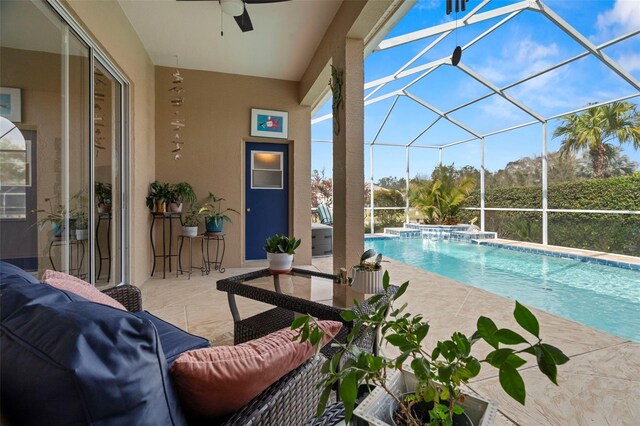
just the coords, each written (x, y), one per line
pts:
(238, 9)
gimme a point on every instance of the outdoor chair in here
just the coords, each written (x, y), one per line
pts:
(326, 218)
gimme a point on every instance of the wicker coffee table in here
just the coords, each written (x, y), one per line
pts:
(297, 292)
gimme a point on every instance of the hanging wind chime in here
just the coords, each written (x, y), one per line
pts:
(461, 5)
(177, 122)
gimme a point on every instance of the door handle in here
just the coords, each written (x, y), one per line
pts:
(248, 210)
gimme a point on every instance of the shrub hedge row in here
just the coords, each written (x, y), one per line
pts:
(617, 233)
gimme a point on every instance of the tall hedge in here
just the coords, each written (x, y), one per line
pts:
(617, 233)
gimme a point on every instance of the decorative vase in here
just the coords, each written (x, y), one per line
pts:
(175, 207)
(104, 208)
(214, 224)
(56, 229)
(190, 231)
(369, 282)
(377, 407)
(82, 234)
(280, 263)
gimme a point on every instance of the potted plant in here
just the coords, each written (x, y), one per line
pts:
(437, 375)
(54, 216)
(81, 224)
(190, 223)
(367, 275)
(181, 193)
(103, 196)
(214, 215)
(159, 196)
(280, 250)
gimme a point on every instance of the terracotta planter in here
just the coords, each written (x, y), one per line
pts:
(280, 263)
(369, 282)
(104, 207)
(175, 208)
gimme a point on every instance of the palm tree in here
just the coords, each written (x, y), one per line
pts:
(595, 129)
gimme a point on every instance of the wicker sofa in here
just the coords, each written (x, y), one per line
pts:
(117, 371)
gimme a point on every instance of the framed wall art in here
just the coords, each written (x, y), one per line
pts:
(11, 104)
(267, 123)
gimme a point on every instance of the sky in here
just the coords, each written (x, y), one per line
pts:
(525, 44)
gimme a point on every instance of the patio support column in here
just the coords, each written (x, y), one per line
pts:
(406, 209)
(348, 157)
(372, 192)
(545, 214)
(482, 184)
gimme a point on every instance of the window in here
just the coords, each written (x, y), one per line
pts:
(266, 170)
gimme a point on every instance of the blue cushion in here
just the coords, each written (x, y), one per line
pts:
(82, 363)
(9, 272)
(174, 340)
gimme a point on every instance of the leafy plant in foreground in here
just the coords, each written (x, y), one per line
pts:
(440, 372)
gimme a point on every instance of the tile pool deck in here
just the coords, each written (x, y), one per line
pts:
(597, 386)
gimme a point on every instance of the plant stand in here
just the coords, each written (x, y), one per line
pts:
(218, 237)
(376, 407)
(164, 217)
(190, 268)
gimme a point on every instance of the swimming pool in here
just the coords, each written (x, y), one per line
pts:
(603, 297)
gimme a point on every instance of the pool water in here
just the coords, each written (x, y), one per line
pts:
(603, 297)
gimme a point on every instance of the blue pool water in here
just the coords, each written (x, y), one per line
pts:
(603, 297)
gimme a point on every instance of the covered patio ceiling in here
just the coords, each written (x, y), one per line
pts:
(404, 84)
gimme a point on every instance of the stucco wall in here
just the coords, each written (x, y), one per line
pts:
(109, 26)
(217, 111)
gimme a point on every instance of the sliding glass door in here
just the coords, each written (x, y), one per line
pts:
(61, 148)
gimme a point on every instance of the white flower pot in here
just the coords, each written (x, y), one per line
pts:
(190, 231)
(280, 263)
(82, 234)
(377, 406)
(369, 282)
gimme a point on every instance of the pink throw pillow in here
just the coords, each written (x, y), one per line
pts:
(67, 282)
(217, 381)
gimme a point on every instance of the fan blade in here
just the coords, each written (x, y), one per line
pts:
(244, 22)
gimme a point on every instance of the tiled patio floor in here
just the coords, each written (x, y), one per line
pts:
(597, 386)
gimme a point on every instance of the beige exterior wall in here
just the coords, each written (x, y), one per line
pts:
(111, 29)
(217, 112)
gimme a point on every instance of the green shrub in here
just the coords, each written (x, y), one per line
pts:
(617, 233)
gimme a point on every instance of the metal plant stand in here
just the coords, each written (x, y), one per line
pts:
(104, 217)
(170, 216)
(190, 268)
(218, 238)
(75, 268)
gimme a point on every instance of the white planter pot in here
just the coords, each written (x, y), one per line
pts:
(82, 234)
(378, 405)
(280, 262)
(175, 208)
(366, 281)
(190, 231)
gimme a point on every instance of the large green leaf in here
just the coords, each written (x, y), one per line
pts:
(526, 319)
(349, 393)
(546, 364)
(509, 337)
(512, 383)
(486, 330)
(558, 356)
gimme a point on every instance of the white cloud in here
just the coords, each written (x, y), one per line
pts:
(427, 4)
(630, 62)
(622, 18)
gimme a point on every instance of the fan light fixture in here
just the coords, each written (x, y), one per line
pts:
(232, 7)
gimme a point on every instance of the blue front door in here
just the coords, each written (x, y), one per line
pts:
(266, 195)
